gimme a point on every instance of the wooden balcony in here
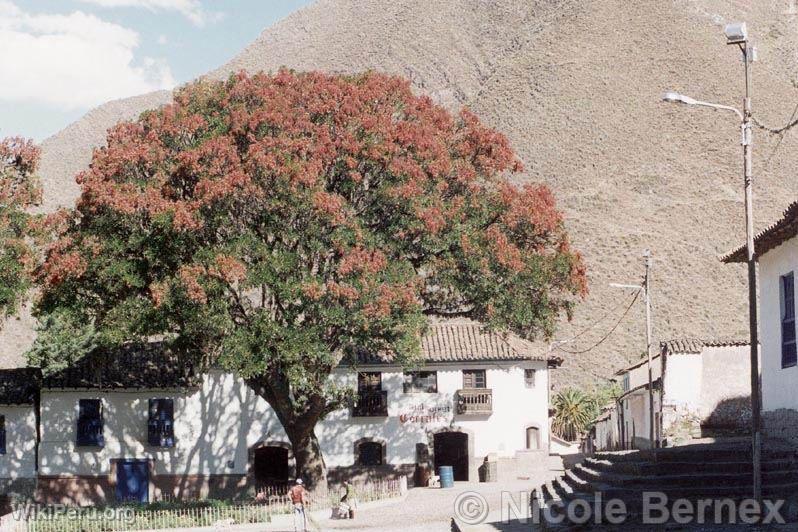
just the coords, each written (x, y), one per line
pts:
(475, 402)
(372, 403)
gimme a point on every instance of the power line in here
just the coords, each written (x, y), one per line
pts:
(603, 338)
(592, 326)
(792, 122)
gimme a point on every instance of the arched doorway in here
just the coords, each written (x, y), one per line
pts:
(270, 465)
(451, 449)
(533, 438)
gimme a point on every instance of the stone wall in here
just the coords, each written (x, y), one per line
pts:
(782, 424)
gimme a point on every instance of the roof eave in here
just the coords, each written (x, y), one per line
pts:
(735, 256)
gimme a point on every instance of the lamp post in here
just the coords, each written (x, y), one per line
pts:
(645, 288)
(737, 34)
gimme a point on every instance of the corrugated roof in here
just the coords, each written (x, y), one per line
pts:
(19, 386)
(784, 229)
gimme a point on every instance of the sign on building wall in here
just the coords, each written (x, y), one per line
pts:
(425, 414)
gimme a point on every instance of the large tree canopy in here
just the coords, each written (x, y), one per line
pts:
(274, 223)
(18, 192)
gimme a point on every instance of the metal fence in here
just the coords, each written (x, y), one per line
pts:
(268, 502)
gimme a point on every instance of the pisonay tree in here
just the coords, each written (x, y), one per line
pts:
(19, 191)
(276, 224)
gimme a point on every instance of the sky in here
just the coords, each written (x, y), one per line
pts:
(61, 58)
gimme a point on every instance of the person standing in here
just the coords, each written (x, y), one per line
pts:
(345, 508)
(299, 498)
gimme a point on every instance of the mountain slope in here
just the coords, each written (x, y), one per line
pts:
(576, 86)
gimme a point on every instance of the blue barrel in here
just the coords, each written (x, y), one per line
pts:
(447, 476)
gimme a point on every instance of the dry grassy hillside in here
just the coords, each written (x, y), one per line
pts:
(576, 87)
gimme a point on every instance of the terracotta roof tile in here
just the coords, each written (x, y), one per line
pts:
(464, 340)
(692, 345)
(782, 230)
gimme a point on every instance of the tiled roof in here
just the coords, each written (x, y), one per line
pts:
(784, 229)
(637, 364)
(19, 386)
(451, 341)
(132, 366)
(683, 345)
(151, 367)
(656, 383)
(692, 345)
(464, 340)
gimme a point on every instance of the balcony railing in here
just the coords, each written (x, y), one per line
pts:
(371, 403)
(475, 402)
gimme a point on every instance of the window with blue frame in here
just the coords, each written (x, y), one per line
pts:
(788, 344)
(2, 434)
(161, 425)
(90, 423)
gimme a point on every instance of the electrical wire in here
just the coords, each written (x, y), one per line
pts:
(792, 122)
(603, 338)
(593, 325)
(781, 132)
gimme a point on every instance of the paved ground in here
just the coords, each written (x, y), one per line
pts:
(432, 509)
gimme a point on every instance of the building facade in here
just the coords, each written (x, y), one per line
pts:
(138, 428)
(777, 254)
(18, 423)
(701, 388)
(633, 418)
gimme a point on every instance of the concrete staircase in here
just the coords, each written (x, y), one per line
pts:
(709, 471)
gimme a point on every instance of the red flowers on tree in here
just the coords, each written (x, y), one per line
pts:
(278, 223)
(18, 192)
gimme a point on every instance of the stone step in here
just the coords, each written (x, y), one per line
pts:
(654, 482)
(703, 518)
(697, 492)
(699, 453)
(698, 456)
(649, 468)
(634, 508)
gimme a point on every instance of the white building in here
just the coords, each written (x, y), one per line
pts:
(777, 254)
(701, 388)
(633, 416)
(18, 396)
(134, 427)
(706, 389)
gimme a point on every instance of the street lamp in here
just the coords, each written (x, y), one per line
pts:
(737, 33)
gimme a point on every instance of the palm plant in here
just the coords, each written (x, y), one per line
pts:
(574, 411)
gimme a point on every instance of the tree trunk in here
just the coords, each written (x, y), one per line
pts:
(299, 425)
(310, 466)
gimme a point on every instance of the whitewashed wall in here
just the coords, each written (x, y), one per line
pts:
(683, 381)
(607, 436)
(19, 462)
(515, 408)
(778, 385)
(216, 425)
(636, 417)
(639, 376)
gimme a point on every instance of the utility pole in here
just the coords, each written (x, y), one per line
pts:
(645, 288)
(647, 294)
(737, 33)
(753, 281)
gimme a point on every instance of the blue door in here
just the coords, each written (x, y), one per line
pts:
(133, 481)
